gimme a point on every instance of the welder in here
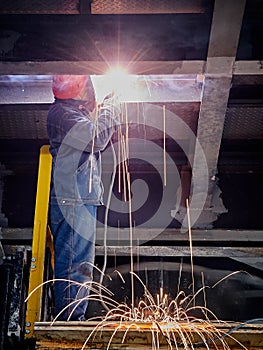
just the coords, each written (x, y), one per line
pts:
(77, 137)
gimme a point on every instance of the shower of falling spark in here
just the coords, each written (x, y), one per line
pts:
(119, 161)
(123, 156)
(126, 131)
(95, 131)
(169, 321)
(147, 85)
(160, 313)
(203, 284)
(131, 240)
(164, 147)
(127, 191)
(190, 244)
(179, 276)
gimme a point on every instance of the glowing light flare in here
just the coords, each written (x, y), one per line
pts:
(116, 80)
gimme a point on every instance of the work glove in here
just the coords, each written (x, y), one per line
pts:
(111, 102)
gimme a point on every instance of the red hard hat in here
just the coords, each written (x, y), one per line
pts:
(68, 86)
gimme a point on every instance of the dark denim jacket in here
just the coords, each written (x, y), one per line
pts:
(75, 144)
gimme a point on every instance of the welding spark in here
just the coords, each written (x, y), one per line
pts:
(169, 322)
(117, 80)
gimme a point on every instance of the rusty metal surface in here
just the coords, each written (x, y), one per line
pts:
(72, 335)
(148, 6)
(23, 124)
(28, 121)
(241, 123)
(210, 237)
(39, 7)
(170, 251)
(104, 7)
(244, 122)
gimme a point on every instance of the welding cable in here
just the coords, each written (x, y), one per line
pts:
(106, 222)
(254, 320)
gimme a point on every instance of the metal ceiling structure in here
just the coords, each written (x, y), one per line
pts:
(216, 42)
(200, 59)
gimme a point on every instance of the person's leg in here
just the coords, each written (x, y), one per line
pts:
(73, 229)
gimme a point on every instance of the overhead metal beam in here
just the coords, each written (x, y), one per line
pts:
(138, 67)
(101, 67)
(24, 89)
(248, 68)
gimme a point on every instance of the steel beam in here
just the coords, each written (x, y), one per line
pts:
(175, 251)
(72, 335)
(224, 36)
(207, 237)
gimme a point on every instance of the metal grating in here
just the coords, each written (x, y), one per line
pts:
(243, 122)
(30, 124)
(147, 6)
(27, 122)
(39, 7)
(247, 79)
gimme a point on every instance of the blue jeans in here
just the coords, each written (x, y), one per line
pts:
(74, 229)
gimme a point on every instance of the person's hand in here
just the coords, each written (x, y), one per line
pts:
(111, 101)
(110, 97)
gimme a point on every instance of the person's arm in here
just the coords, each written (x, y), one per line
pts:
(89, 135)
(108, 119)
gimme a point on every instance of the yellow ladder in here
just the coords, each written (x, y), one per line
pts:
(33, 311)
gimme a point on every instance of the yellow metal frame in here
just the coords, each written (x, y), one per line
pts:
(39, 241)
